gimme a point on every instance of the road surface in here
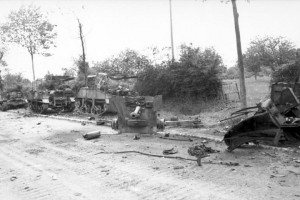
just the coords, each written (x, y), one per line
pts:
(43, 158)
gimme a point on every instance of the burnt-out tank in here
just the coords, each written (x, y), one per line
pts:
(56, 100)
(12, 99)
(63, 99)
(95, 98)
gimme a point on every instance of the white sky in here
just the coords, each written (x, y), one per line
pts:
(111, 26)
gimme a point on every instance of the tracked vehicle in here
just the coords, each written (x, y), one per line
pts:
(62, 99)
(12, 99)
(95, 98)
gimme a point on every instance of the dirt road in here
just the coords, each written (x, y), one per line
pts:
(42, 158)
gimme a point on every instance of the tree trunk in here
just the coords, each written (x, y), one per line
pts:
(83, 52)
(240, 55)
(32, 64)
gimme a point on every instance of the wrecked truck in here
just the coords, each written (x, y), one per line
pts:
(276, 119)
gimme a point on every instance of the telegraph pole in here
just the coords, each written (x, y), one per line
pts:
(171, 24)
(240, 55)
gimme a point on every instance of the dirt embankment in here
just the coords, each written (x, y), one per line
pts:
(43, 158)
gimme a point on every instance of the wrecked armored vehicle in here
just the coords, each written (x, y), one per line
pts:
(12, 99)
(95, 98)
(276, 119)
(61, 99)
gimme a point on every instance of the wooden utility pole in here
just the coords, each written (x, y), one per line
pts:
(83, 51)
(240, 55)
(171, 24)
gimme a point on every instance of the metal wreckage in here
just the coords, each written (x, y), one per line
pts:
(276, 119)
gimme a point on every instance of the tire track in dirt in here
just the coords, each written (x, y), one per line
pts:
(33, 182)
(145, 170)
(130, 178)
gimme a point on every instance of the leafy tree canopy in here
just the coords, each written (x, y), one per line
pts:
(196, 75)
(128, 62)
(29, 28)
(268, 52)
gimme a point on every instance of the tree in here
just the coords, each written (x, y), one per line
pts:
(83, 64)
(271, 52)
(287, 72)
(29, 28)
(128, 62)
(196, 75)
(252, 64)
(3, 49)
(11, 81)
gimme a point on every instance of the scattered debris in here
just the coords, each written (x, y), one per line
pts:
(170, 151)
(38, 123)
(247, 166)
(105, 170)
(167, 135)
(91, 135)
(178, 139)
(204, 141)
(155, 168)
(178, 167)
(100, 122)
(26, 188)
(54, 177)
(200, 151)
(91, 118)
(13, 178)
(77, 194)
(276, 176)
(137, 137)
(229, 163)
(83, 123)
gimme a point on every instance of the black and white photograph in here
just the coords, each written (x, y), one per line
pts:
(149, 99)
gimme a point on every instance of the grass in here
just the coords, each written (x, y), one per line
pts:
(211, 112)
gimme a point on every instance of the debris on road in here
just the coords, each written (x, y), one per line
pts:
(200, 151)
(177, 139)
(178, 167)
(170, 151)
(54, 177)
(13, 178)
(136, 137)
(277, 176)
(91, 135)
(100, 122)
(229, 163)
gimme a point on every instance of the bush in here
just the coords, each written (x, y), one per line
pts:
(195, 75)
(287, 73)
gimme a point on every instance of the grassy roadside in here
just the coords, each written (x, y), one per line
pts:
(211, 112)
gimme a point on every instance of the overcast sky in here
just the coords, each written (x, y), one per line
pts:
(111, 26)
